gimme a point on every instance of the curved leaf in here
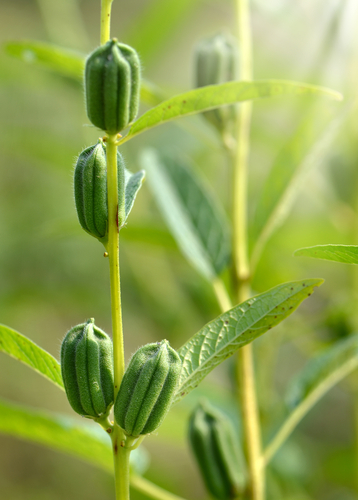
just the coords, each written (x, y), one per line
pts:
(348, 254)
(318, 376)
(194, 216)
(26, 351)
(220, 338)
(63, 433)
(67, 63)
(214, 96)
(133, 184)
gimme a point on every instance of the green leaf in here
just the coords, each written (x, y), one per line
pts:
(193, 215)
(318, 376)
(232, 330)
(63, 433)
(26, 351)
(133, 184)
(303, 152)
(67, 63)
(348, 254)
(214, 96)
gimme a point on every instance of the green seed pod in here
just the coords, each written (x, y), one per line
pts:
(147, 388)
(90, 186)
(112, 85)
(87, 369)
(217, 452)
(217, 61)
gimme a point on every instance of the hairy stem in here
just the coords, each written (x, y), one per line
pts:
(245, 366)
(106, 6)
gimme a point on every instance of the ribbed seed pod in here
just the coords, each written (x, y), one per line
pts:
(147, 388)
(90, 186)
(217, 452)
(112, 85)
(217, 61)
(87, 369)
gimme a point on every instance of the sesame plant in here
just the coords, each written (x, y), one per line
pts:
(129, 403)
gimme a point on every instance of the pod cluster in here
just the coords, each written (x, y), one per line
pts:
(147, 389)
(112, 85)
(87, 369)
(217, 61)
(90, 188)
(217, 452)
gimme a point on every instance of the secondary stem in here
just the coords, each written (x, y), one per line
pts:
(106, 6)
(245, 366)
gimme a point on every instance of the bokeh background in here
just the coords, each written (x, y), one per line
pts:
(53, 275)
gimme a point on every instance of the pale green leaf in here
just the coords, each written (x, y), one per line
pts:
(348, 254)
(26, 351)
(133, 184)
(193, 215)
(232, 330)
(63, 433)
(318, 376)
(67, 63)
(304, 151)
(214, 96)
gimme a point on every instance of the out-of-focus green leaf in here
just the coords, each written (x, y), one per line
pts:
(63, 433)
(156, 23)
(348, 254)
(318, 376)
(26, 351)
(68, 63)
(220, 338)
(304, 151)
(58, 432)
(214, 96)
(148, 235)
(194, 216)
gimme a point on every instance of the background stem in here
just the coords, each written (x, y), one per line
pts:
(245, 365)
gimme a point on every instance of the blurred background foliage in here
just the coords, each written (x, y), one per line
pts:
(53, 275)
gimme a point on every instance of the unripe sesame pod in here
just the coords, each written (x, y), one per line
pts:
(90, 186)
(217, 452)
(217, 61)
(87, 370)
(112, 85)
(147, 388)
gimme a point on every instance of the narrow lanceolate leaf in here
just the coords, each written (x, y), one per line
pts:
(23, 349)
(133, 184)
(214, 96)
(304, 152)
(194, 217)
(318, 376)
(62, 433)
(348, 254)
(68, 63)
(220, 338)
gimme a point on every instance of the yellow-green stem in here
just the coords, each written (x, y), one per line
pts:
(106, 6)
(245, 365)
(222, 295)
(121, 456)
(113, 254)
(151, 490)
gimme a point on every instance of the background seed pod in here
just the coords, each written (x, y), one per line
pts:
(87, 369)
(147, 388)
(112, 84)
(217, 451)
(217, 61)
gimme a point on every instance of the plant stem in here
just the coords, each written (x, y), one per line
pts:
(121, 456)
(221, 295)
(113, 254)
(245, 365)
(151, 490)
(106, 6)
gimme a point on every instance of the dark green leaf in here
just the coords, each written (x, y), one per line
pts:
(230, 331)
(194, 216)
